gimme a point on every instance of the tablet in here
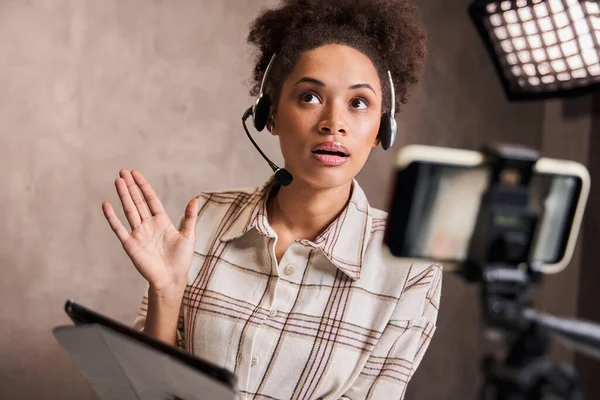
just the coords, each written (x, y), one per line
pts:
(84, 316)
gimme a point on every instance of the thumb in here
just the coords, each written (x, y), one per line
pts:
(191, 218)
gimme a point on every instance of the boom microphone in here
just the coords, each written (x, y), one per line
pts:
(282, 175)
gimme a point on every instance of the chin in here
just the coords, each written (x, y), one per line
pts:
(323, 178)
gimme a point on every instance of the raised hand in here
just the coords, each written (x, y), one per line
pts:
(161, 253)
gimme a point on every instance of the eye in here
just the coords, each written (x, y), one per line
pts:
(359, 103)
(310, 98)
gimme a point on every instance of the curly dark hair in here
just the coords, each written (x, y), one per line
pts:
(389, 32)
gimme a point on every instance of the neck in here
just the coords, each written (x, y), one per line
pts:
(305, 212)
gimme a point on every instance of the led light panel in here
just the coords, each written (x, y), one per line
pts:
(542, 48)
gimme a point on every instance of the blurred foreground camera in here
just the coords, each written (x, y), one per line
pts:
(501, 218)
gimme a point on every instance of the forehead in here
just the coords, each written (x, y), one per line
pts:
(336, 65)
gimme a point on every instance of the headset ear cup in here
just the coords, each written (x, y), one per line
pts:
(261, 112)
(385, 131)
(393, 131)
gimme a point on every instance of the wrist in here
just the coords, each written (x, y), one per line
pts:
(163, 313)
(172, 294)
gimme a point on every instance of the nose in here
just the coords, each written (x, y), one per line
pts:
(331, 122)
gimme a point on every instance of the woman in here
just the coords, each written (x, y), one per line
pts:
(287, 286)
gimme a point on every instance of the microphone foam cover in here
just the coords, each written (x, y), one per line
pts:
(283, 177)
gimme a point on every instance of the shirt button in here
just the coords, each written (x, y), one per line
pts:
(253, 361)
(289, 270)
(273, 313)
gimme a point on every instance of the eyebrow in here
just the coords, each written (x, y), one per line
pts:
(322, 84)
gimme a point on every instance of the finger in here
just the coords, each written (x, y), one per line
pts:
(115, 222)
(136, 195)
(131, 211)
(191, 218)
(150, 196)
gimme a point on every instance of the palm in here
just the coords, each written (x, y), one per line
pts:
(158, 250)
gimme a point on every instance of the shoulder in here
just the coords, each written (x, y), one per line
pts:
(216, 205)
(378, 221)
(220, 198)
(415, 283)
(228, 204)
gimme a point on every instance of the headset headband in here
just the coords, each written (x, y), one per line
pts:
(393, 109)
(264, 79)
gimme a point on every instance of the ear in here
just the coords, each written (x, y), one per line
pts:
(271, 125)
(376, 141)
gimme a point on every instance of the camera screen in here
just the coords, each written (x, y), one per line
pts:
(436, 207)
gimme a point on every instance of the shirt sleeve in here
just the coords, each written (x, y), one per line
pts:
(403, 343)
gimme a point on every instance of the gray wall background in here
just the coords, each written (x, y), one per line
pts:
(89, 87)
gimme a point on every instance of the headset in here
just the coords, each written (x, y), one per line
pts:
(261, 111)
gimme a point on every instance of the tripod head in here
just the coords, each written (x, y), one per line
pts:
(501, 243)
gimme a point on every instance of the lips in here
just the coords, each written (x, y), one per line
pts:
(331, 148)
(330, 153)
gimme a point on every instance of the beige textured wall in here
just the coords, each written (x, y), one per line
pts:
(89, 87)
(92, 86)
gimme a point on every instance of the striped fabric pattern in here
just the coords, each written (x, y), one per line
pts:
(338, 317)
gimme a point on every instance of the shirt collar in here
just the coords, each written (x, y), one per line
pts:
(343, 242)
(252, 214)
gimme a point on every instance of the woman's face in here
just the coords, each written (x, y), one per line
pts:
(328, 115)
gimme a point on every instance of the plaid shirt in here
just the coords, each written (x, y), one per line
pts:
(336, 318)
